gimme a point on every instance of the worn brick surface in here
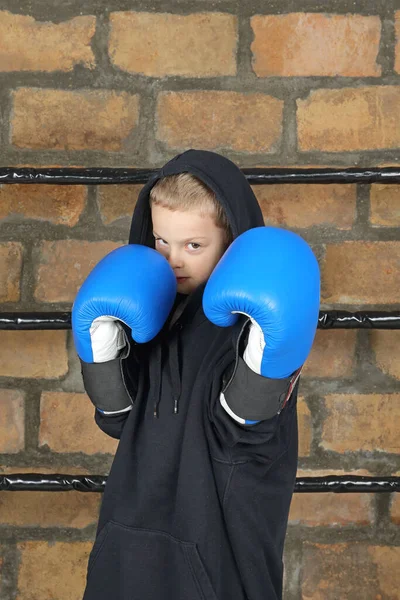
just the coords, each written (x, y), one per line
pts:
(332, 354)
(64, 265)
(385, 345)
(50, 570)
(386, 560)
(397, 47)
(395, 505)
(385, 205)
(102, 120)
(303, 205)
(11, 254)
(67, 425)
(364, 422)
(215, 119)
(316, 44)
(12, 414)
(29, 45)
(117, 201)
(288, 164)
(195, 45)
(305, 427)
(36, 354)
(361, 272)
(395, 509)
(58, 204)
(59, 468)
(350, 570)
(346, 119)
(49, 509)
(329, 509)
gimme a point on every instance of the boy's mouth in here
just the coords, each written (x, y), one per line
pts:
(180, 279)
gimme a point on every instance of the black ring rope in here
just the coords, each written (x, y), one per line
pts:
(95, 483)
(256, 176)
(335, 319)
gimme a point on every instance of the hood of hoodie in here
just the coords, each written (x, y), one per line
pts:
(221, 175)
(237, 198)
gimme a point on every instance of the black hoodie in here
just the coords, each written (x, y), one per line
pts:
(196, 504)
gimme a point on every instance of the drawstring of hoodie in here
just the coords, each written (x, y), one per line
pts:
(155, 376)
(174, 367)
(156, 370)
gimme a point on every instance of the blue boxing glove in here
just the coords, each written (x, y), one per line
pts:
(271, 275)
(132, 286)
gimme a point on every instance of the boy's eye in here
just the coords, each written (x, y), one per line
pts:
(194, 245)
(159, 240)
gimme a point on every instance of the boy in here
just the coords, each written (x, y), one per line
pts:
(203, 400)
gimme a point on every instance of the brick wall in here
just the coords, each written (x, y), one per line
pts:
(102, 84)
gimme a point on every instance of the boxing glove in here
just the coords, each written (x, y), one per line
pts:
(129, 293)
(271, 276)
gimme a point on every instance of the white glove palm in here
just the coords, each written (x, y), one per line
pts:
(253, 353)
(107, 337)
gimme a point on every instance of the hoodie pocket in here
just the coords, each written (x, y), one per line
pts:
(129, 563)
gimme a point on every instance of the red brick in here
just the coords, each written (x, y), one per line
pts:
(216, 119)
(64, 265)
(362, 422)
(305, 427)
(11, 255)
(58, 204)
(50, 570)
(395, 505)
(12, 421)
(36, 354)
(49, 509)
(332, 354)
(346, 119)
(385, 345)
(304, 205)
(361, 273)
(387, 559)
(397, 48)
(303, 44)
(117, 201)
(59, 469)
(395, 509)
(385, 205)
(30, 45)
(67, 425)
(350, 570)
(158, 45)
(103, 119)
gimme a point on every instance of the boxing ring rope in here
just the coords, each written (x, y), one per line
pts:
(95, 483)
(335, 319)
(256, 176)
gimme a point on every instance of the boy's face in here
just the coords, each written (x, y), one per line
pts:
(191, 243)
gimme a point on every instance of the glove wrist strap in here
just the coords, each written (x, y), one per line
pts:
(248, 395)
(108, 384)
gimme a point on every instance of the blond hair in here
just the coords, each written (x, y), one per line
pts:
(186, 192)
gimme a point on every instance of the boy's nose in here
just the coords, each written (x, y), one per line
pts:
(175, 260)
